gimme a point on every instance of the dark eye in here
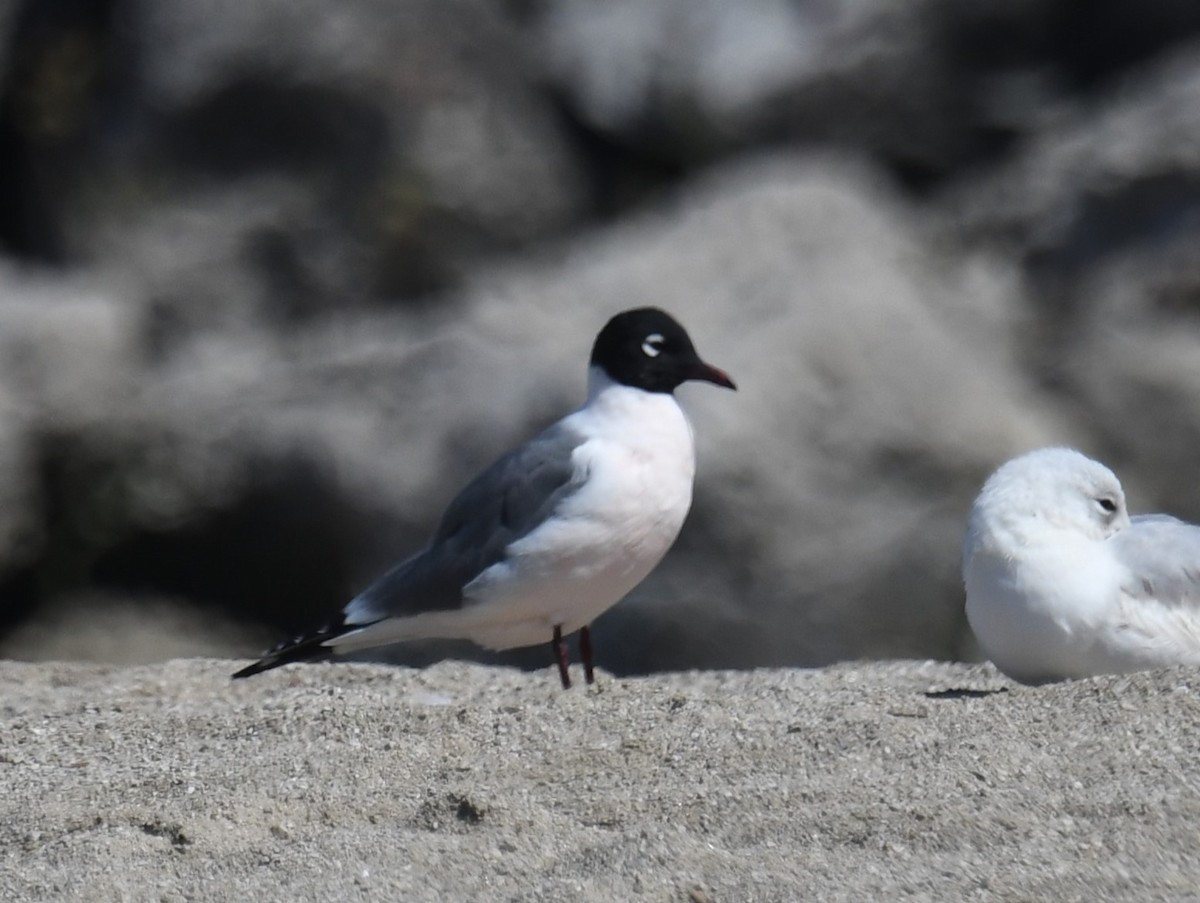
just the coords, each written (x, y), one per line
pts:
(1107, 505)
(652, 345)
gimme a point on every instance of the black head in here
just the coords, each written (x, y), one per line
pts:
(645, 348)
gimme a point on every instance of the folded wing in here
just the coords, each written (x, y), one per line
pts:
(1161, 555)
(511, 497)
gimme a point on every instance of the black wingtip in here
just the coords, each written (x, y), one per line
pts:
(270, 662)
(258, 667)
(306, 648)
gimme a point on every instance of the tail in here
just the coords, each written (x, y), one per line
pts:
(307, 647)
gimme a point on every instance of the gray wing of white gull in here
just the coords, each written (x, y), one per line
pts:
(1162, 555)
(510, 498)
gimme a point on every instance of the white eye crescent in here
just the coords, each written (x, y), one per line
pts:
(652, 346)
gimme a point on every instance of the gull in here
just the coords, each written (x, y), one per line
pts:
(1062, 583)
(558, 530)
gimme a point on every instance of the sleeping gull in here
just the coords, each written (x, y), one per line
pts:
(558, 530)
(1062, 583)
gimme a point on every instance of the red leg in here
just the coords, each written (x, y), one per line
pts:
(585, 653)
(560, 654)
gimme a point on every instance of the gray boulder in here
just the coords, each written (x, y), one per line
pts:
(927, 87)
(68, 356)
(317, 155)
(1102, 213)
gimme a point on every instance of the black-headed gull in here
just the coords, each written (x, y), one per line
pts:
(556, 531)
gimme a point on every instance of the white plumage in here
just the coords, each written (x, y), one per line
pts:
(1062, 583)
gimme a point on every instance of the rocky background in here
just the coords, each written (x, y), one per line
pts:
(277, 276)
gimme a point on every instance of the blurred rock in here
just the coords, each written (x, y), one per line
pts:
(1112, 175)
(8, 11)
(377, 148)
(930, 88)
(1103, 213)
(446, 86)
(243, 472)
(687, 79)
(68, 357)
(61, 76)
(927, 87)
(1134, 367)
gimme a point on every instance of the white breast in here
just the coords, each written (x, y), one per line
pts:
(1031, 615)
(1050, 608)
(639, 460)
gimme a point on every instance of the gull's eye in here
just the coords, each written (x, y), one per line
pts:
(652, 345)
(1107, 505)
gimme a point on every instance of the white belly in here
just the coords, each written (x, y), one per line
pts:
(1064, 617)
(603, 541)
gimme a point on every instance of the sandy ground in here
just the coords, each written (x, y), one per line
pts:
(917, 780)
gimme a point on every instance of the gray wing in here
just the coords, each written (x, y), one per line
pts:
(1162, 555)
(504, 502)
